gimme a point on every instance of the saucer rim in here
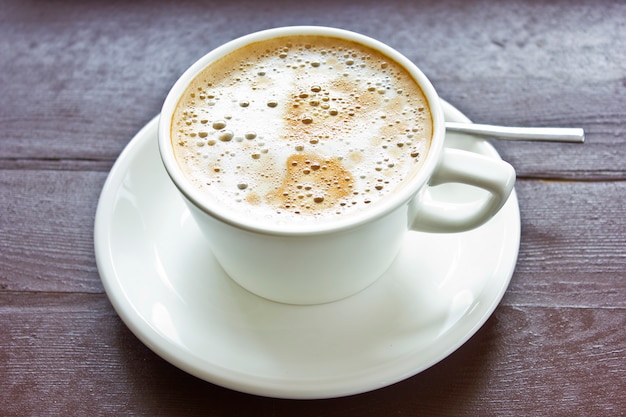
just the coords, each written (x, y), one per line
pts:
(234, 379)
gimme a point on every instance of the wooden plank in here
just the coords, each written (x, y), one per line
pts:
(573, 249)
(77, 55)
(70, 354)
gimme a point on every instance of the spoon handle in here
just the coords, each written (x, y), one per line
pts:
(547, 134)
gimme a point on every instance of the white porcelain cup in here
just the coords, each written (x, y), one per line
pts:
(318, 263)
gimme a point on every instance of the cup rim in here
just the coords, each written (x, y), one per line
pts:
(389, 203)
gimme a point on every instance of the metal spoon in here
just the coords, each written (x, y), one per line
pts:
(546, 134)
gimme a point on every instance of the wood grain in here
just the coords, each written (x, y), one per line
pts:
(575, 229)
(79, 79)
(47, 230)
(70, 354)
(573, 246)
(514, 69)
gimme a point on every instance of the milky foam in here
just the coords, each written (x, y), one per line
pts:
(301, 127)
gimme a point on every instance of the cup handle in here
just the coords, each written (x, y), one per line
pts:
(495, 176)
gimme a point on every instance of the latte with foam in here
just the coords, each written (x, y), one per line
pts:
(301, 127)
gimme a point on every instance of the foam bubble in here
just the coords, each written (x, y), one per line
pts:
(219, 124)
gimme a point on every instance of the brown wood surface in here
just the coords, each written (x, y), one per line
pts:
(79, 79)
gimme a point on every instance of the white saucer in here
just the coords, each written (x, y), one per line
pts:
(166, 286)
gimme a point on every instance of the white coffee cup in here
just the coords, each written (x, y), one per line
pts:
(315, 263)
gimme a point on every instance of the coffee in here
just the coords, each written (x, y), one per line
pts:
(301, 127)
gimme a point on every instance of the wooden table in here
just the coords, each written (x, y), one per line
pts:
(79, 79)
